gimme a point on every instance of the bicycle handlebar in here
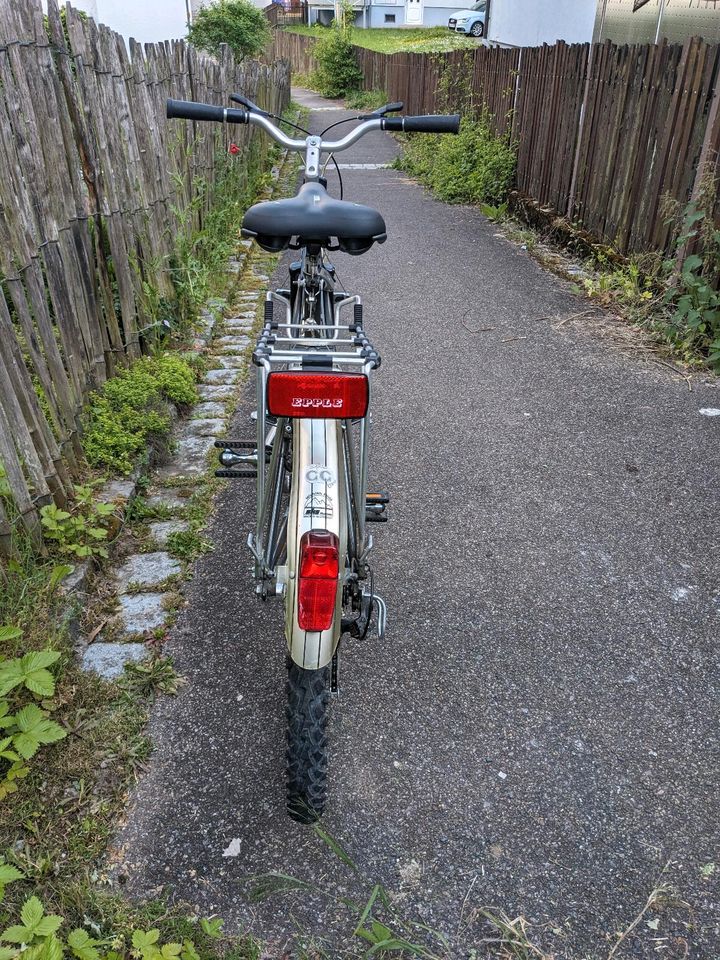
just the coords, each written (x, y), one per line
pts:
(188, 110)
(433, 123)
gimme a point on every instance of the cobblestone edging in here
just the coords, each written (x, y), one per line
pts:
(144, 582)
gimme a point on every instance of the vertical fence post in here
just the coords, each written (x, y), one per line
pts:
(581, 127)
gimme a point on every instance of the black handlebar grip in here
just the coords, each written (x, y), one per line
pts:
(439, 123)
(188, 110)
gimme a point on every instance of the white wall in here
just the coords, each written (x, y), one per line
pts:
(530, 23)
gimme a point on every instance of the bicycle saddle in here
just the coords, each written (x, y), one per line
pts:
(314, 217)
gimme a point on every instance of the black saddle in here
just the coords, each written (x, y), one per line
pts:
(314, 217)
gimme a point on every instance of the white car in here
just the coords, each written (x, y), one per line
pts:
(471, 20)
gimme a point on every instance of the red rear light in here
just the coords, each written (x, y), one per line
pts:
(324, 396)
(317, 585)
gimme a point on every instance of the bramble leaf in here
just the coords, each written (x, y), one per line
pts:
(82, 944)
(35, 731)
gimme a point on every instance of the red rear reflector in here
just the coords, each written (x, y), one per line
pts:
(318, 581)
(324, 396)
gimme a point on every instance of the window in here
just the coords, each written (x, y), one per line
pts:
(389, 18)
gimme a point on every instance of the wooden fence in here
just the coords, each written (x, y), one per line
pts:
(94, 185)
(603, 133)
(288, 13)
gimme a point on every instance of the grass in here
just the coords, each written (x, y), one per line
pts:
(398, 40)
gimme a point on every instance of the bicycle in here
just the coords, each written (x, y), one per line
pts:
(310, 454)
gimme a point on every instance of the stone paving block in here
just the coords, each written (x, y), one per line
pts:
(76, 580)
(207, 427)
(211, 391)
(142, 611)
(213, 377)
(147, 569)
(161, 530)
(209, 408)
(233, 340)
(116, 490)
(167, 498)
(232, 361)
(235, 327)
(188, 459)
(108, 659)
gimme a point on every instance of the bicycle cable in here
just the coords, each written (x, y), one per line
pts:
(295, 126)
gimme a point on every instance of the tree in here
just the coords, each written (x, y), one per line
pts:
(237, 23)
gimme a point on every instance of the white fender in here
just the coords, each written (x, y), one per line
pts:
(317, 502)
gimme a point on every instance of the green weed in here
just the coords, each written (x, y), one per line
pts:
(155, 676)
(692, 296)
(187, 545)
(366, 99)
(82, 530)
(476, 166)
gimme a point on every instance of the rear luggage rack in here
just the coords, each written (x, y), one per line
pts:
(333, 345)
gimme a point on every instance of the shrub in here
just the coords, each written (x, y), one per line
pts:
(131, 410)
(337, 73)
(243, 27)
(476, 166)
(692, 292)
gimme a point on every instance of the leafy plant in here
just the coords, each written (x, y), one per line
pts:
(496, 214)
(29, 671)
(476, 166)
(8, 874)
(239, 24)
(337, 73)
(37, 937)
(625, 283)
(24, 732)
(692, 294)
(82, 529)
(23, 735)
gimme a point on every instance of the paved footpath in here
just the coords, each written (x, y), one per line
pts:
(539, 731)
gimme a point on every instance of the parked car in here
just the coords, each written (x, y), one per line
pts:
(471, 20)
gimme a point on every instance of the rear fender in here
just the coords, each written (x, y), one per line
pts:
(317, 501)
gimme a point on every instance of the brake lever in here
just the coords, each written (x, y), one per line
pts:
(382, 111)
(248, 104)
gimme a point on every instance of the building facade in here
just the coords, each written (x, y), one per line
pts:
(648, 21)
(510, 22)
(143, 21)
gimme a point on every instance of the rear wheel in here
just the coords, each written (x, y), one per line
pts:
(477, 29)
(307, 710)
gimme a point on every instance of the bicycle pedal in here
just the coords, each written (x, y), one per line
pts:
(235, 444)
(236, 474)
(376, 507)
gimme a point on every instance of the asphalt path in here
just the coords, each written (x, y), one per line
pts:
(538, 731)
